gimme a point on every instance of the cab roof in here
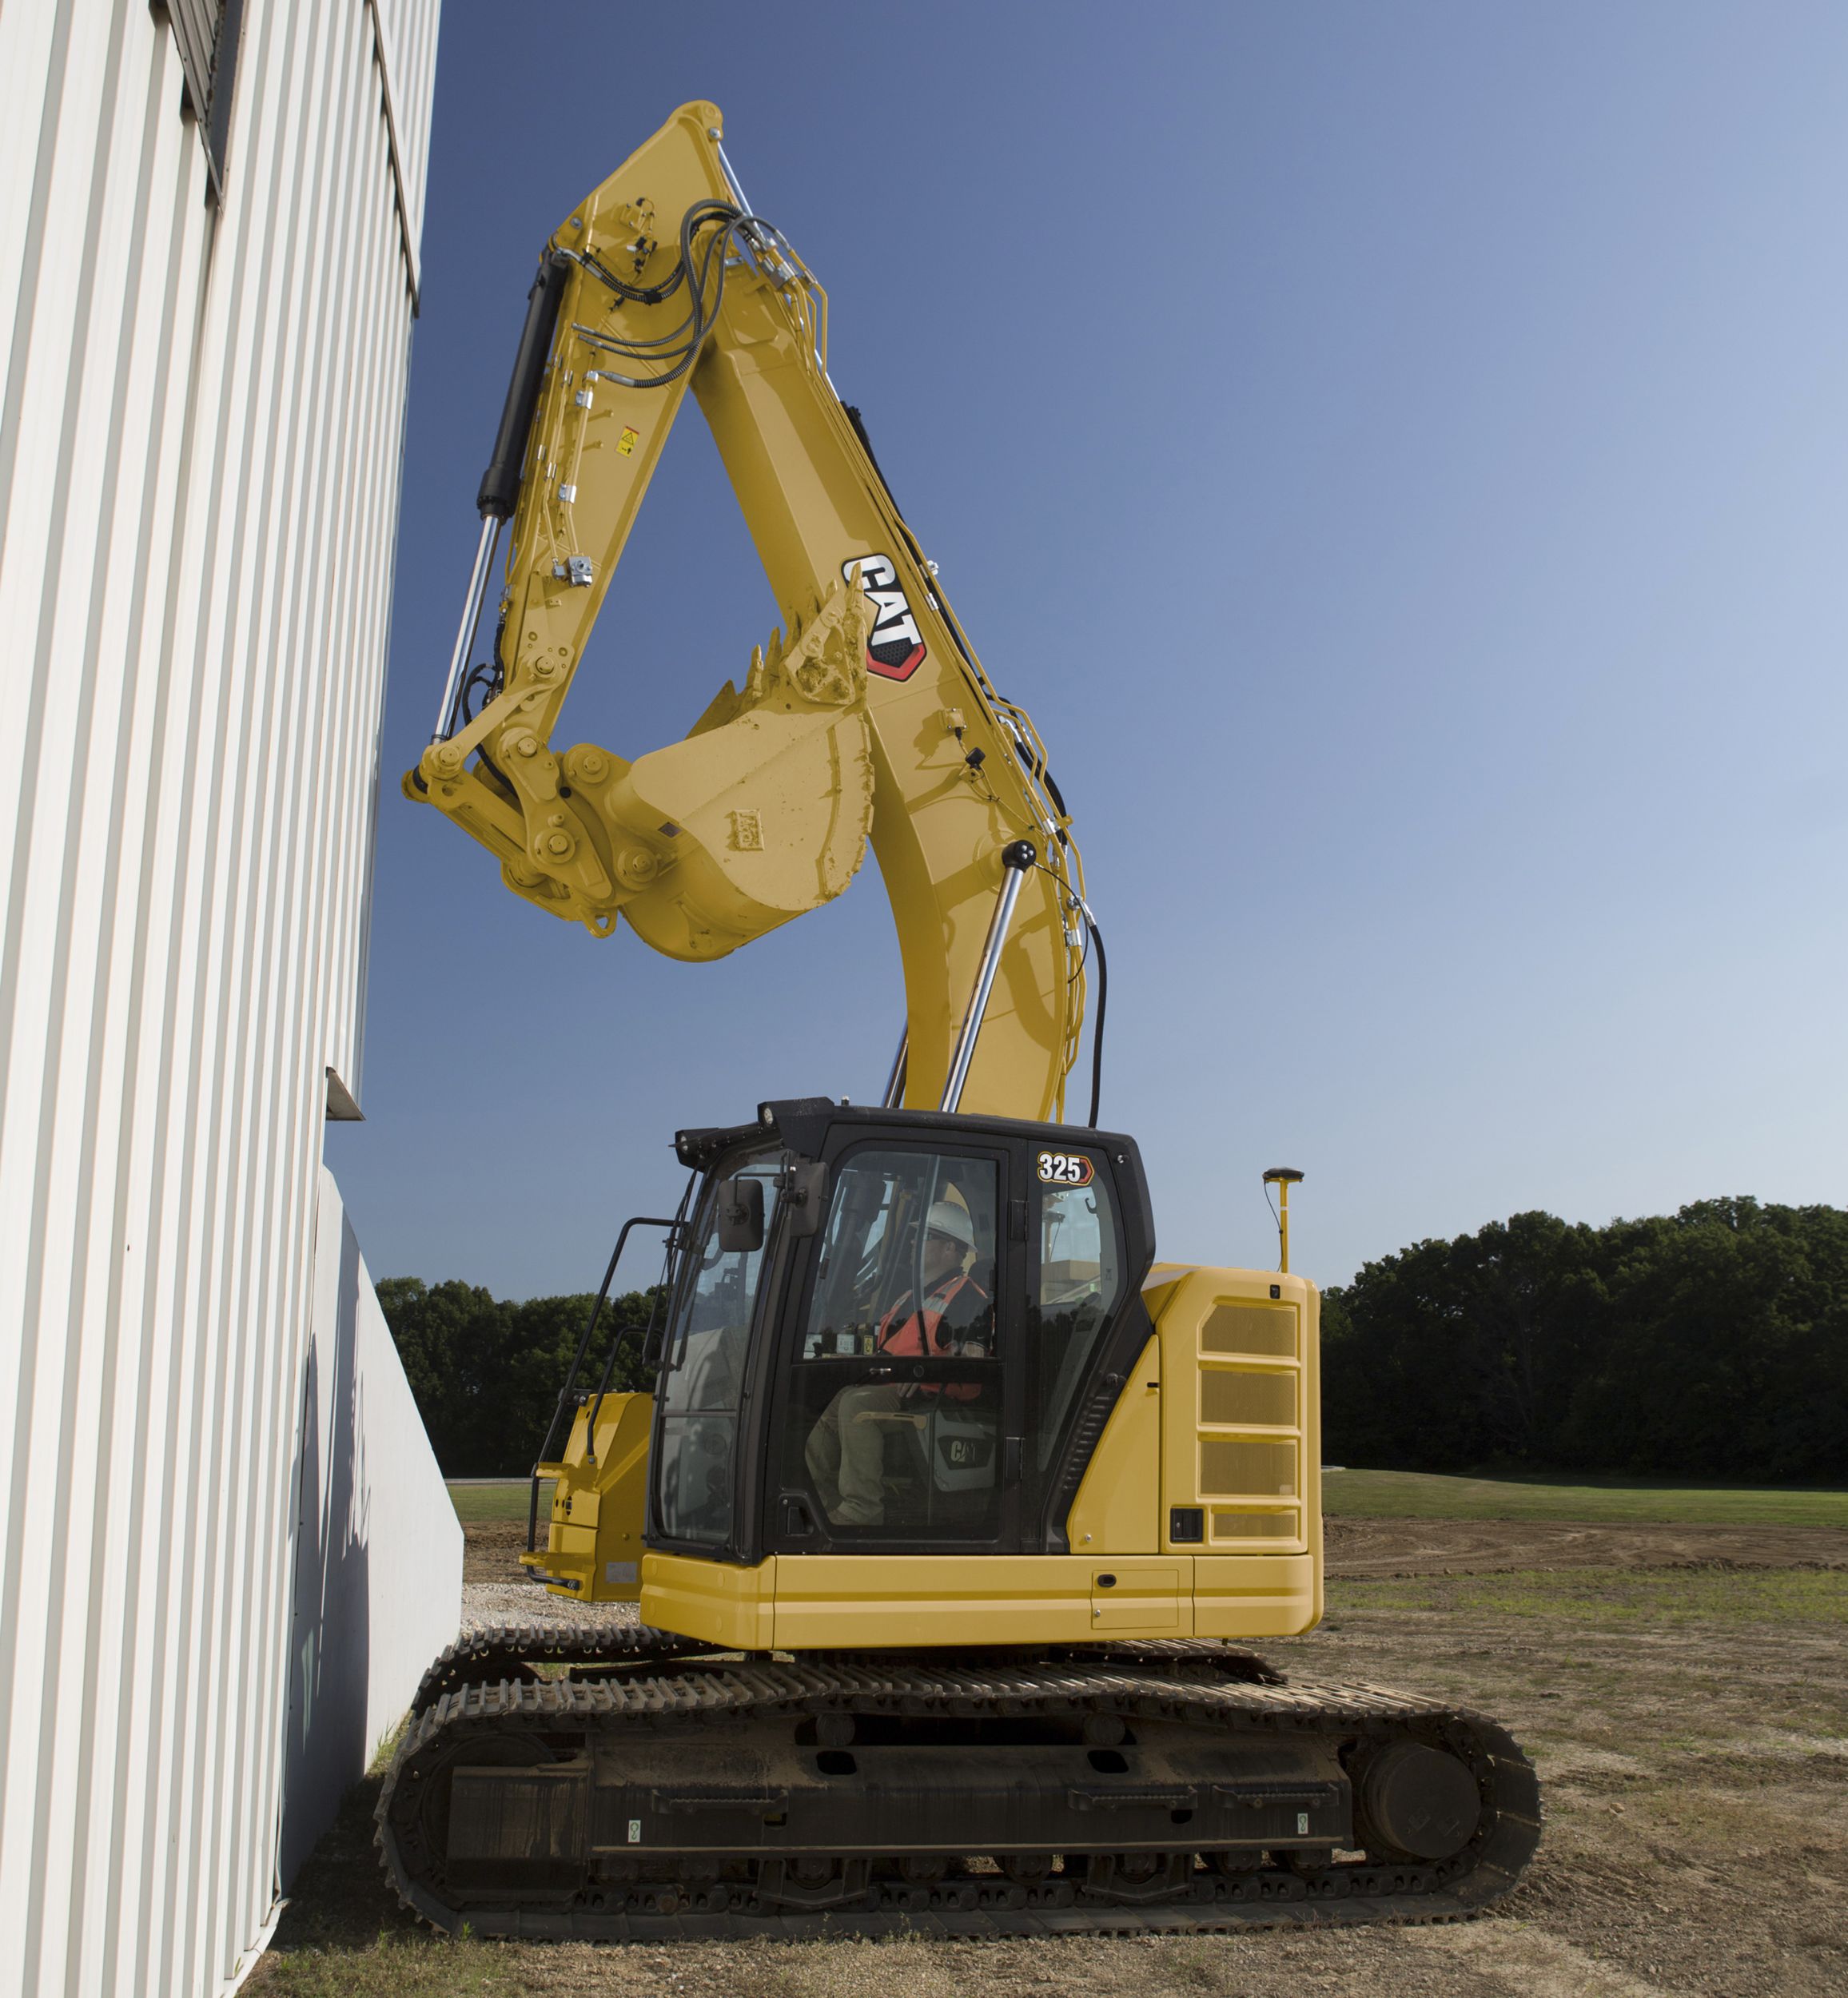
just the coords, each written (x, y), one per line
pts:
(802, 1123)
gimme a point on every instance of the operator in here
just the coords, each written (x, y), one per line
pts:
(846, 1449)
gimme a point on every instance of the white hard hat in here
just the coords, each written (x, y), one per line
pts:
(947, 1218)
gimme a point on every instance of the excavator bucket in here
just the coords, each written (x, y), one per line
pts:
(762, 813)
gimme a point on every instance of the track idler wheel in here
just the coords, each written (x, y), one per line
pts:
(1418, 1802)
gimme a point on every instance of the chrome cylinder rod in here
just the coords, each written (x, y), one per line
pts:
(731, 179)
(895, 1096)
(471, 619)
(1015, 860)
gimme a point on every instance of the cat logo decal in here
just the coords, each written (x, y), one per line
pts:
(895, 647)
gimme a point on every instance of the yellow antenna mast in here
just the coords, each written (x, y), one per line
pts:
(1283, 1178)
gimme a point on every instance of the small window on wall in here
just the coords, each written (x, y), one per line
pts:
(1078, 1279)
(207, 33)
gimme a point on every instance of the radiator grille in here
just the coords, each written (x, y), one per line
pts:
(1244, 1396)
(1269, 1329)
(1232, 1467)
(1255, 1525)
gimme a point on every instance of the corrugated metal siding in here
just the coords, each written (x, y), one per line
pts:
(378, 1561)
(200, 423)
(408, 39)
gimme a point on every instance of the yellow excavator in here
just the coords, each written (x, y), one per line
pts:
(953, 1511)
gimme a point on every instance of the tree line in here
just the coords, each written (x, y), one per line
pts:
(487, 1372)
(1712, 1343)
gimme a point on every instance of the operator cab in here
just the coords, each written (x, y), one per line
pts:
(893, 1331)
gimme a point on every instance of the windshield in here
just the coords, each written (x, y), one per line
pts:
(704, 1369)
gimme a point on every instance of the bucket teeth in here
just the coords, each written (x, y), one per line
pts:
(822, 658)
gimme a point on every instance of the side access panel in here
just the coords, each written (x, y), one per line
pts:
(1241, 1444)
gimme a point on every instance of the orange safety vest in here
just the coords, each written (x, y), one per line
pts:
(922, 1333)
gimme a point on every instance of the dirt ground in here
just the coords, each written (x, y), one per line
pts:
(1683, 1689)
(1384, 1547)
(490, 1551)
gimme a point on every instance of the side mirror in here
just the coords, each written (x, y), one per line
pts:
(740, 1215)
(805, 1195)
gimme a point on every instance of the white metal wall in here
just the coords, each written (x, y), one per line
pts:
(378, 1559)
(201, 410)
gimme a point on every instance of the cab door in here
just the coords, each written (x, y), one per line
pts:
(897, 1402)
(1082, 1323)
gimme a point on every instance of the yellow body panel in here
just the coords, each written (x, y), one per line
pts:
(815, 1602)
(828, 1600)
(1271, 1595)
(714, 1601)
(1220, 1415)
(1118, 1508)
(593, 1550)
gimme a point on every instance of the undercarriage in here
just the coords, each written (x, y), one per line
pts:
(630, 1784)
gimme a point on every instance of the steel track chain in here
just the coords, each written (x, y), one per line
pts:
(513, 1651)
(1161, 1686)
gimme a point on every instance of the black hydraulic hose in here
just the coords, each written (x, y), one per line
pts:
(500, 492)
(859, 429)
(671, 346)
(1097, 1030)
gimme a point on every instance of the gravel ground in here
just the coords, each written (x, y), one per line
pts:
(485, 1603)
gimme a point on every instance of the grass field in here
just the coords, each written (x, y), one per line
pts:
(486, 1504)
(1406, 1494)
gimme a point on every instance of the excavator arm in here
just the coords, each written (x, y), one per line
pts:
(867, 716)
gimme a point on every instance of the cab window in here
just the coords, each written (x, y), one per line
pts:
(1077, 1284)
(703, 1374)
(892, 1422)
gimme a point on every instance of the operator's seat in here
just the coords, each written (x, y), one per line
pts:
(940, 1466)
(941, 1455)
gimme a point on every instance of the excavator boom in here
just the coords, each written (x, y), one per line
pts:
(868, 714)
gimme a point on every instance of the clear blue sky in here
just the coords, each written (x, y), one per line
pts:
(1395, 452)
